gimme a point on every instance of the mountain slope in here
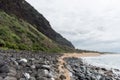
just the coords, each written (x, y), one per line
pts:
(25, 11)
(18, 34)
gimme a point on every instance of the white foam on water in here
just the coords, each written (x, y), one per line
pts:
(108, 61)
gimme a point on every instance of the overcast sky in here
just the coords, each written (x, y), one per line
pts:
(88, 24)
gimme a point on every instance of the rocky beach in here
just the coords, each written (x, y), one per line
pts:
(26, 65)
(82, 71)
(33, 49)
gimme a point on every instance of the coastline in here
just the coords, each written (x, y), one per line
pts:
(22, 65)
(64, 70)
(78, 55)
(82, 71)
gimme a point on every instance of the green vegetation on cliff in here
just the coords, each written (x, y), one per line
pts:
(23, 10)
(18, 34)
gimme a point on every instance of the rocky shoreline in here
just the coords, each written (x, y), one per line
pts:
(83, 71)
(26, 65)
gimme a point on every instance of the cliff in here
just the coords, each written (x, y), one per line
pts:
(23, 10)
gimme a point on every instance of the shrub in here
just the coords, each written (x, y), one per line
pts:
(11, 45)
(2, 43)
(23, 47)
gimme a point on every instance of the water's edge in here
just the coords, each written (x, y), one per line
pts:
(82, 71)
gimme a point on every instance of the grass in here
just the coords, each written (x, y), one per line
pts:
(20, 35)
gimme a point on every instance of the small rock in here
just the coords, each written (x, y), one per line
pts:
(3, 75)
(33, 67)
(43, 73)
(27, 75)
(62, 77)
(14, 61)
(32, 78)
(49, 75)
(32, 59)
(83, 68)
(4, 68)
(42, 78)
(46, 67)
(12, 72)
(98, 77)
(10, 78)
(103, 69)
(1, 78)
(46, 72)
(22, 79)
(52, 79)
(23, 60)
(101, 72)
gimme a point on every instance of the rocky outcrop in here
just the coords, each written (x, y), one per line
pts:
(25, 11)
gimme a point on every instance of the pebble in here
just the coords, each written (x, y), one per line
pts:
(4, 68)
(46, 67)
(27, 75)
(32, 78)
(10, 78)
(12, 72)
(22, 79)
(1, 78)
(14, 61)
(52, 79)
(23, 60)
(33, 66)
(62, 77)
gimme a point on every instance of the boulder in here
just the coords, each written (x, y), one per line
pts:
(12, 72)
(43, 72)
(4, 68)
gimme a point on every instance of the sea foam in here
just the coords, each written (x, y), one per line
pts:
(108, 61)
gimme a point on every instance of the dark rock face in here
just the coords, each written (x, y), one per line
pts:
(25, 11)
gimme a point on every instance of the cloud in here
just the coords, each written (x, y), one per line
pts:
(89, 24)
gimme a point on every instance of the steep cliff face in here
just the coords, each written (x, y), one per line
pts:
(22, 9)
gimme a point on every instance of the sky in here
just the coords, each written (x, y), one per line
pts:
(88, 24)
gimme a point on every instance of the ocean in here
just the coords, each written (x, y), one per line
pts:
(108, 61)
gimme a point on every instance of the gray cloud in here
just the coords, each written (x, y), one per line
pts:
(89, 24)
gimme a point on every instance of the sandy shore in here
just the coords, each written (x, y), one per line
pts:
(78, 55)
(69, 55)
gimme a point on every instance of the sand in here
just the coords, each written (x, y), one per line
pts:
(61, 67)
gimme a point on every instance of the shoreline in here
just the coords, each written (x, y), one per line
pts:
(81, 70)
(42, 66)
(62, 61)
(27, 65)
(77, 55)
